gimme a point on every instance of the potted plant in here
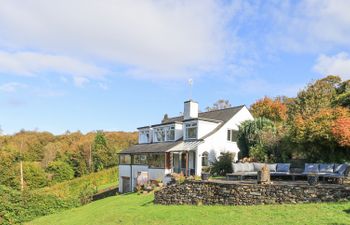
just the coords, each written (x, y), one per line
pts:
(205, 173)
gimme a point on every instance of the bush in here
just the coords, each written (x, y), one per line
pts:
(34, 175)
(60, 171)
(17, 207)
(223, 164)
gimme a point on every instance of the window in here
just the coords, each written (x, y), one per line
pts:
(170, 134)
(205, 161)
(124, 159)
(191, 131)
(144, 136)
(156, 160)
(232, 135)
(159, 134)
(140, 160)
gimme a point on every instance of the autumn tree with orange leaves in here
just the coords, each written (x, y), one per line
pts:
(341, 131)
(272, 109)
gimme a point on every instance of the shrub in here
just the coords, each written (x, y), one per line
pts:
(17, 207)
(60, 171)
(34, 175)
(223, 164)
(86, 193)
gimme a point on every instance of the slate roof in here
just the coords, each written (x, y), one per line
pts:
(149, 148)
(221, 114)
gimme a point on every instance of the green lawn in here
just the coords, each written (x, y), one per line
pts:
(139, 209)
(108, 185)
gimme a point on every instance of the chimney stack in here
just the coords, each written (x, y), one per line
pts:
(190, 109)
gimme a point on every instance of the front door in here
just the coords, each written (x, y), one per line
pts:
(180, 160)
(126, 184)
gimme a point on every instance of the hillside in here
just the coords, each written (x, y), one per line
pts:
(139, 209)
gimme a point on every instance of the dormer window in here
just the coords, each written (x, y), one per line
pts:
(191, 130)
(144, 136)
(159, 134)
(170, 133)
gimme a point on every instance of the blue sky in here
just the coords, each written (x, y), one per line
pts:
(118, 65)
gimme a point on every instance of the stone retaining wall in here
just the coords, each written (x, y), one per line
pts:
(209, 193)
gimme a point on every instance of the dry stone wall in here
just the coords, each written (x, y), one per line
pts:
(210, 193)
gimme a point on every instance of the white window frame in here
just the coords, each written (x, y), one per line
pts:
(159, 129)
(167, 132)
(229, 135)
(144, 136)
(189, 126)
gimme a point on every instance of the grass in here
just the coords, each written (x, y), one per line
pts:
(139, 209)
(108, 185)
(72, 188)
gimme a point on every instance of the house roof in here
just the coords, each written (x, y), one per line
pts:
(222, 115)
(162, 147)
(149, 148)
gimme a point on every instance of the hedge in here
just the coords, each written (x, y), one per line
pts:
(18, 207)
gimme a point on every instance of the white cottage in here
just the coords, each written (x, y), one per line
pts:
(181, 144)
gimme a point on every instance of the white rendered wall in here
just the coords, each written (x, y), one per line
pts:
(204, 127)
(217, 142)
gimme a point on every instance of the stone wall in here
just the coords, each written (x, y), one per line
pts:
(209, 193)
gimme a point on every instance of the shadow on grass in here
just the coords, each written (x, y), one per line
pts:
(147, 203)
(346, 211)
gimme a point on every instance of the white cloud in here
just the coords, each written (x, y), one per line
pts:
(163, 38)
(11, 87)
(310, 25)
(338, 64)
(34, 64)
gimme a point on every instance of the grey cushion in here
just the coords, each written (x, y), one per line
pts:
(340, 169)
(237, 167)
(258, 166)
(245, 167)
(273, 167)
(283, 167)
(326, 168)
(251, 167)
(311, 168)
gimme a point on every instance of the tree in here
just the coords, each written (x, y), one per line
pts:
(318, 95)
(343, 95)
(315, 136)
(101, 155)
(272, 109)
(34, 175)
(341, 131)
(60, 171)
(219, 104)
(250, 136)
(50, 152)
(9, 169)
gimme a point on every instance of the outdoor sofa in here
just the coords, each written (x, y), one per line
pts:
(324, 171)
(242, 170)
